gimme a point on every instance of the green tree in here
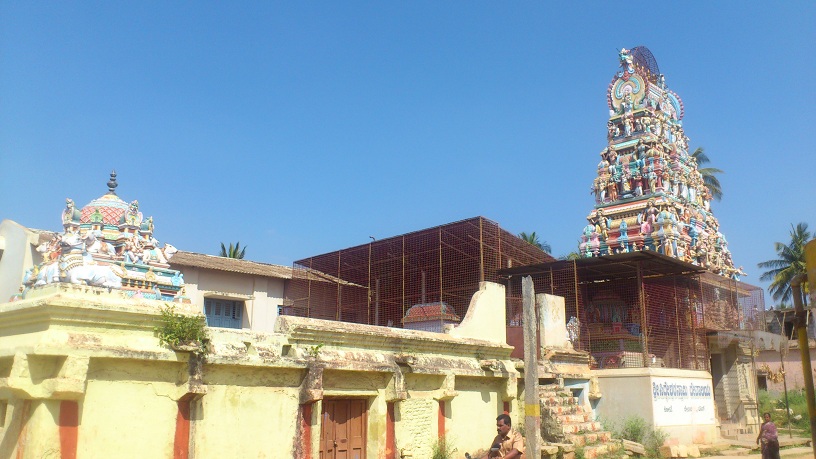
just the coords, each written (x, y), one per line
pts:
(233, 252)
(709, 173)
(532, 238)
(571, 256)
(791, 262)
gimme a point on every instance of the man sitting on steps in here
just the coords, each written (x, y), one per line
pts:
(508, 444)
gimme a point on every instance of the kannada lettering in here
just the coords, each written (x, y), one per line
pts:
(679, 390)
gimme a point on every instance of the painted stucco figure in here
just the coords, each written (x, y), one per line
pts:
(107, 243)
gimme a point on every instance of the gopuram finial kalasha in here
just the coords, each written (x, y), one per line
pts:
(112, 183)
(107, 244)
(649, 194)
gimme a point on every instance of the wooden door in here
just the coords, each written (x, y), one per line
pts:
(343, 429)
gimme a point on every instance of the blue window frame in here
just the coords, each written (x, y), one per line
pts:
(223, 313)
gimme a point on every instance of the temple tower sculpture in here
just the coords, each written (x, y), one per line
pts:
(649, 194)
(108, 243)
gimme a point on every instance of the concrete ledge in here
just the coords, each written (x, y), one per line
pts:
(651, 371)
(307, 331)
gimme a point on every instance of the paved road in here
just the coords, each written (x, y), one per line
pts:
(797, 452)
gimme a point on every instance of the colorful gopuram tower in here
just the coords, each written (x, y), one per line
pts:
(649, 194)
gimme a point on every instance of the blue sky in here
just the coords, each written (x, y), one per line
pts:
(304, 127)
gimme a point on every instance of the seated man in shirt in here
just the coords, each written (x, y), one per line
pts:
(508, 444)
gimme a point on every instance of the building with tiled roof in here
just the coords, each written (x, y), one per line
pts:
(234, 293)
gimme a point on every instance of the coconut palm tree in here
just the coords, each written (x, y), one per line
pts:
(571, 256)
(791, 262)
(709, 173)
(233, 252)
(532, 238)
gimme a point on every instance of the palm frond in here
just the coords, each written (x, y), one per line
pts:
(234, 251)
(709, 174)
(532, 238)
(791, 262)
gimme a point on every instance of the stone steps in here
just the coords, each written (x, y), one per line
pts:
(582, 427)
(589, 438)
(564, 409)
(576, 424)
(560, 400)
(574, 418)
(594, 451)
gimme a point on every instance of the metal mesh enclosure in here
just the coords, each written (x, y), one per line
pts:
(421, 280)
(642, 309)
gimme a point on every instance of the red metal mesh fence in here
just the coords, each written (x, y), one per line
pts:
(422, 280)
(633, 310)
(631, 316)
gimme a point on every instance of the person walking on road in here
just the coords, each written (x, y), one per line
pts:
(769, 438)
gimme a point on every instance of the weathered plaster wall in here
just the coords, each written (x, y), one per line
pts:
(418, 415)
(469, 414)
(130, 407)
(416, 426)
(479, 401)
(98, 351)
(247, 414)
(29, 429)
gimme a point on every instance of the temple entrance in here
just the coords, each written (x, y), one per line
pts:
(343, 429)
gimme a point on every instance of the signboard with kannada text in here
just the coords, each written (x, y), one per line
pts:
(682, 401)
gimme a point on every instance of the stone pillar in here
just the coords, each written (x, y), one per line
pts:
(532, 409)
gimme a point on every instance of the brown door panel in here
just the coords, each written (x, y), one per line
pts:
(343, 429)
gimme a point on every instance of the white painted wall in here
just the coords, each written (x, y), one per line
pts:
(628, 392)
(261, 295)
(17, 244)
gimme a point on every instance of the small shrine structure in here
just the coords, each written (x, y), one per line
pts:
(432, 317)
(107, 243)
(649, 192)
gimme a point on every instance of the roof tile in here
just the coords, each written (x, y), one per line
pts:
(200, 260)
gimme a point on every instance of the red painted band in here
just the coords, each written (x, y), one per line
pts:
(181, 442)
(390, 433)
(68, 428)
(306, 419)
(441, 420)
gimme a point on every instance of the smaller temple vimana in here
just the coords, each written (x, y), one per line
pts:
(108, 243)
(649, 193)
